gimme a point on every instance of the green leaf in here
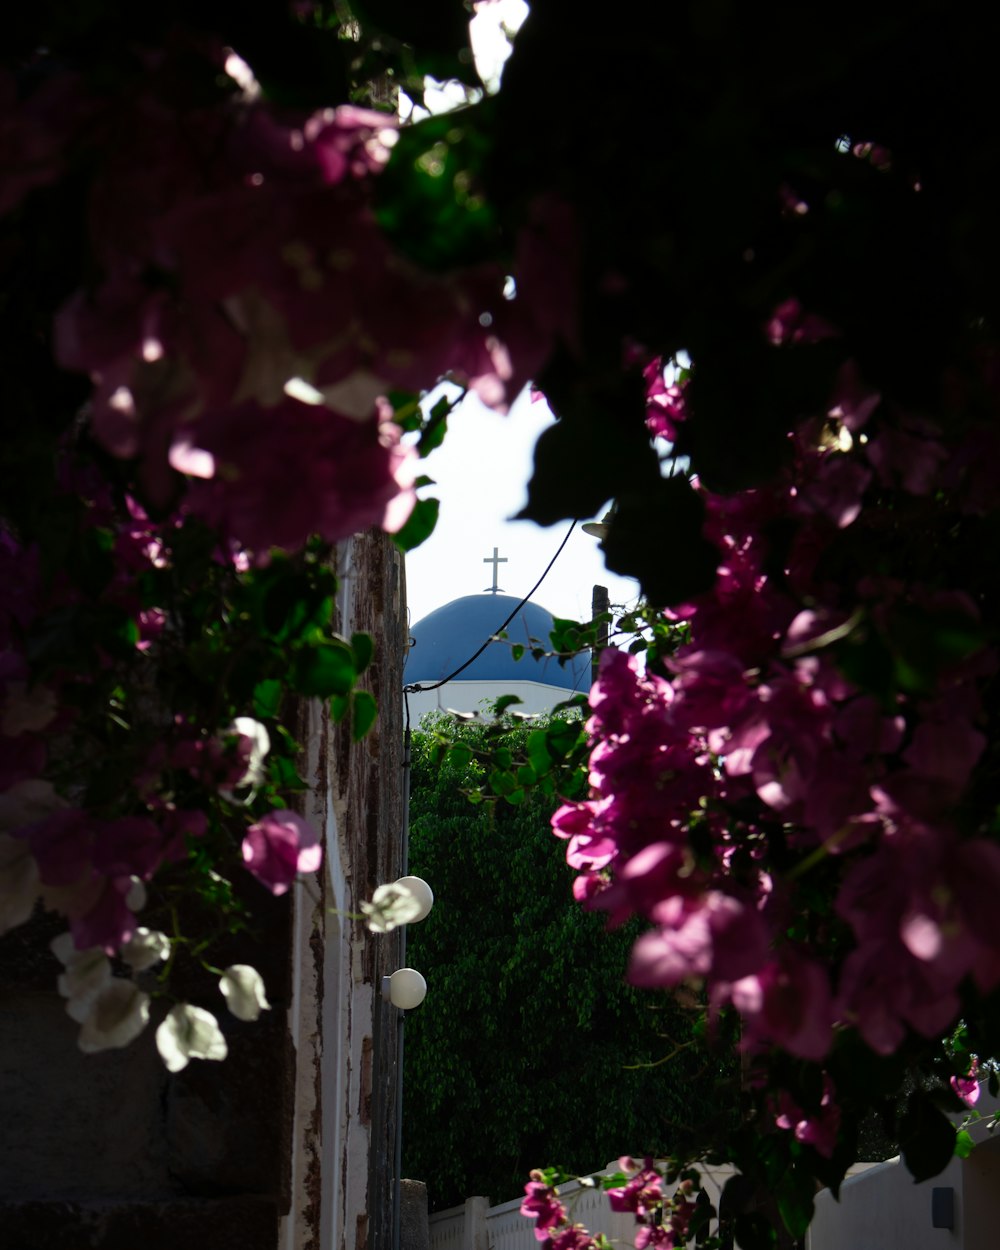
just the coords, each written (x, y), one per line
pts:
(754, 1232)
(576, 700)
(284, 774)
(324, 670)
(420, 526)
(795, 1200)
(129, 632)
(567, 635)
(538, 752)
(429, 199)
(505, 701)
(267, 698)
(517, 650)
(363, 648)
(502, 782)
(562, 737)
(409, 419)
(964, 1145)
(290, 603)
(340, 705)
(436, 428)
(364, 710)
(460, 756)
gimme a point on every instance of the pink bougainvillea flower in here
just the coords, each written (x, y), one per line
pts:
(788, 1002)
(790, 323)
(279, 847)
(818, 1130)
(108, 921)
(641, 1194)
(575, 1237)
(654, 1235)
(346, 474)
(967, 1087)
(541, 1203)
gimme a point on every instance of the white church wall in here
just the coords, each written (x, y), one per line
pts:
(475, 696)
(882, 1209)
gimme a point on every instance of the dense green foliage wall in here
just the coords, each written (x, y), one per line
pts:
(527, 1013)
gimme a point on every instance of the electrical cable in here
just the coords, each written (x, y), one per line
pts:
(417, 688)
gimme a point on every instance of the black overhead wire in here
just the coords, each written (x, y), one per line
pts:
(417, 688)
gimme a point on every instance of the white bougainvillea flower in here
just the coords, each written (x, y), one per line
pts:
(243, 988)
(391, 905)
(145, 948)
(260, 744)
(189, 1033)
(117, 1016)
(87, 975)
(27, 709)
(135, 899)
(27, 802)
(19, 886)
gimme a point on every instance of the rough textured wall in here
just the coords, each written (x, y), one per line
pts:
(111, 1151)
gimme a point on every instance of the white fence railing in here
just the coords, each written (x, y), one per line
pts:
(477, 1226)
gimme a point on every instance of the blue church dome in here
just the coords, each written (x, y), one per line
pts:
(446, 637)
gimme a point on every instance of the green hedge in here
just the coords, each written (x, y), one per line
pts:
(517, 1058)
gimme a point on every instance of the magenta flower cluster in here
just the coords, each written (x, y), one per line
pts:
(244, 313)
(755, 760)
(229, 327)
(663, 1217)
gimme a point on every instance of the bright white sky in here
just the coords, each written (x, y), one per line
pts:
(482, 470)
(481, 474)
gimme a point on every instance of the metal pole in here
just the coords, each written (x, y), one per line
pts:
(599, 603)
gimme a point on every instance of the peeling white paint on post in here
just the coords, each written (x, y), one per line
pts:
(341, 1126)
(308, 1025)
(336, 1027)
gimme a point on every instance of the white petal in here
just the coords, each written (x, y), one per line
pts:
(27, 802)
(391, 905)
(189, 1033)
(27, 710)
(86, 975)
(146, 947)
(260, 740)
(64, 948)
(256, 732)
(135, 899)
(118, 1015)
(243, 988)
(18, 883)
